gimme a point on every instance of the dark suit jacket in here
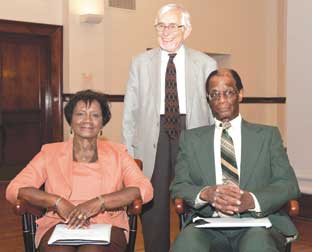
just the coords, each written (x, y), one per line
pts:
(265, 171)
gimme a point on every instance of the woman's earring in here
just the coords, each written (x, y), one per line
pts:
(101, 132)
(71, 131)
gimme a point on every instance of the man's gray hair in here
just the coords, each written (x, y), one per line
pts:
(186, 17)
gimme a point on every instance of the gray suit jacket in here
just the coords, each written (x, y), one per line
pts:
(265, 171)
(141, 118)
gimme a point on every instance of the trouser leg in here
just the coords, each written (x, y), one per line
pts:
(201, 240)
(259, 239)
(156, 214)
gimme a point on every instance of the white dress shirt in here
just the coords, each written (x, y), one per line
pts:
(179, 61)
(235, 132)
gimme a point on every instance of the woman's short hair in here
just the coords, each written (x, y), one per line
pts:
(88, 96)
(185, 17)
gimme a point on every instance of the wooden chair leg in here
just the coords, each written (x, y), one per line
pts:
(28, 242)
(288, 247)
(33, 228)
(132, 233)
(182, 218)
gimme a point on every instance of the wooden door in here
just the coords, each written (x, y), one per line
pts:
(27, 103)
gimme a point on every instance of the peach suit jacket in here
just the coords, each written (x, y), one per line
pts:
(52, 166)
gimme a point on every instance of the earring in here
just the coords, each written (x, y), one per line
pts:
(101, 132)
(71, 131)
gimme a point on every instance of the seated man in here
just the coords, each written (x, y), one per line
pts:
(233, 168)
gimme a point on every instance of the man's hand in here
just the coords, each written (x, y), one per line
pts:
(247, 202)
(228, 198)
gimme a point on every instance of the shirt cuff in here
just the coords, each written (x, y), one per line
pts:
(257, 205)
(198, 201)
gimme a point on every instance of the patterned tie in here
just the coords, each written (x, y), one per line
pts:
(228, 160)
(172, 112)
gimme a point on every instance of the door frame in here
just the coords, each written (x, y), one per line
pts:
(54, 34)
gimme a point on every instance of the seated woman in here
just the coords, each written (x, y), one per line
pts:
(86, 179)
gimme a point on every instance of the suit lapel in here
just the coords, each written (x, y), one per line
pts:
(191, 73)
(65, 163)
(105, 159)
(205, 156)
(251, 146)
(154, 77)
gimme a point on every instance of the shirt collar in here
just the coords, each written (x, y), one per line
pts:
(179, 53)
(235, 123)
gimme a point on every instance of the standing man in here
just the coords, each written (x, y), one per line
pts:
(233, 168)
(165, 93)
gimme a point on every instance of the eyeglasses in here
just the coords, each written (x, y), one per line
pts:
(216, 95)
(160, 27)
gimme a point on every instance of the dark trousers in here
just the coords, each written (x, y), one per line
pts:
(255, 239)
(156, 214)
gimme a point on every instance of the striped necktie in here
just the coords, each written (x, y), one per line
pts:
(172, 112)
(228, 159)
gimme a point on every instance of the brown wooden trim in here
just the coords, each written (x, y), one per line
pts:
(20, 27)
(56, 39)
(258, 100)
(54, 34)
(111, 98)
(264, 100)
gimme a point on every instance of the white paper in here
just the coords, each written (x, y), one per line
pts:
(230, 222)
(95, 234)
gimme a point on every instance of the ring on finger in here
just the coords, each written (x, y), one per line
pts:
(80, 216)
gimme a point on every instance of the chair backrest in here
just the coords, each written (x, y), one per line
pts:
(30, 214)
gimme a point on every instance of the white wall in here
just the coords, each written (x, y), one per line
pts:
(36, 11)
(249, 37)
(98, 56)
(299, 90)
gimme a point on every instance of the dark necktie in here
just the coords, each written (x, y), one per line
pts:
(172, 113)
(228, 159)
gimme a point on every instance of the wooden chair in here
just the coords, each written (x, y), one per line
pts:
(181, 208)
(30, 214)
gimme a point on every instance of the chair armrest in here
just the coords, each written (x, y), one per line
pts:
(21, 207)
(139, 163)
(135, 207)
(293, 208)
(179, 206)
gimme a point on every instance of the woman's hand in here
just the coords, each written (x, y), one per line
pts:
(63, 207)
(37, 197)
(81, 214)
